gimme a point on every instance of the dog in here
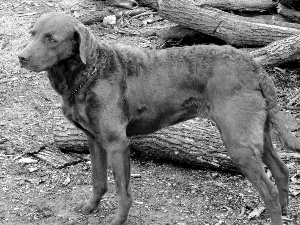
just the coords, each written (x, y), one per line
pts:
(112, 92)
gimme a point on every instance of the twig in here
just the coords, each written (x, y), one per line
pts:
(138, 15)
(126, 31)
(143, 14)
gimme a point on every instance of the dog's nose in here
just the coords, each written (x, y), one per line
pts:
(22, 59)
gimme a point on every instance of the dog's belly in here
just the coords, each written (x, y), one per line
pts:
(149, 125)
(149, 119)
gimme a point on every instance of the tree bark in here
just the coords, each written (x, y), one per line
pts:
(293, 15)
(291, 3)
(153, 4)
(178, 35)
(278, 52)
(231, 28)
(195, 143)
(239, 5)
(274, 54)
(91, 19)
(275, 19)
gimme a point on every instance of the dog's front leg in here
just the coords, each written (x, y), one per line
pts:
(99, 176)
(118, 155)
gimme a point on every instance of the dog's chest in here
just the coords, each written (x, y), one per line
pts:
(76, 113)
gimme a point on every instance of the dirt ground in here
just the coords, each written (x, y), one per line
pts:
(35, 193)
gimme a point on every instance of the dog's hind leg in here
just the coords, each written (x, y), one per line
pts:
(278, 169)
(241, 120)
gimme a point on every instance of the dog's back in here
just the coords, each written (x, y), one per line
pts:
(169, 86)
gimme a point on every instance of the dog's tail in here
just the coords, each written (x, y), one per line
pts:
(287, 138)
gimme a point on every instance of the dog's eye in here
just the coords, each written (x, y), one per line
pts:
(49, 38)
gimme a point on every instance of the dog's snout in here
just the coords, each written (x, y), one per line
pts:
(22, 58)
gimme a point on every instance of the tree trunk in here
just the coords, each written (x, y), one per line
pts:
(278, 52)
(274, 54)
(153, 4)
(195, 143)
(240, 5)
(178, 35)
(293, 15)
(291, 3)
(231, 28)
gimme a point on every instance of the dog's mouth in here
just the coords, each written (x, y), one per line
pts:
(29, 67)
(23, 65)
(26, 66)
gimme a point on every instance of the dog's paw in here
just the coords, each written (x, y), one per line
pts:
(111, 220)
(85, 209)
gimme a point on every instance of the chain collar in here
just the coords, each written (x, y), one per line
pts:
(81, 84)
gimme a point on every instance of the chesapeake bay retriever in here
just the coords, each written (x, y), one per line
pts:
(112, 92)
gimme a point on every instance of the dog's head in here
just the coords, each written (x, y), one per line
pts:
(56, 37)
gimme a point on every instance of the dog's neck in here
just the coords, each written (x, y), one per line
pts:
(70, 75)
(66, 75)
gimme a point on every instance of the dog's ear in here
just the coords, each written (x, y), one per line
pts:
(85, 40)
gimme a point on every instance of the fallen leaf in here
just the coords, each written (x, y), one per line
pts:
(294, 190)
(256, 212)
(32, 169)
(110, 20)
(49, 4)
(67, 181)
(295, 179)
(34, 181)
(136, 175)
(27, 161)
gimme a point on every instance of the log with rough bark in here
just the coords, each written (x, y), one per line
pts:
(233, 29)
(178, 35)
(153, 4)
(291, 3)
(278, 52)
(91, 19)
(292, 14)
(240, 5)
(273, 20)
(274, 54)
(195, 143)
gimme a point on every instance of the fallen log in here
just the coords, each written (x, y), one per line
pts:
(153, 4)
(195, 143)
(240, 5)
(271, 19)
(290, 3)
(274, 54)
(274, 19)
(181, 36)
(127, 4)
(91, 19)
(231, 28)
(293, 15)
(278, 52)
